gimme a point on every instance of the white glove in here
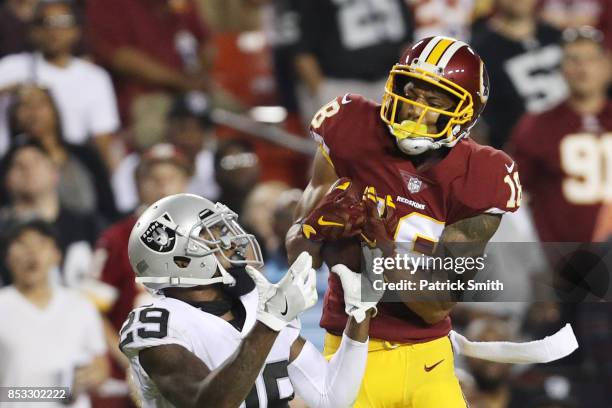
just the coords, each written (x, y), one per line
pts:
(352, 281)
(281, 303)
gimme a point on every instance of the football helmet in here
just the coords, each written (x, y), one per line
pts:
(446, 64)
(180, 240)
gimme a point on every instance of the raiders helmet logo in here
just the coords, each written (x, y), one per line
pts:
(158, 237)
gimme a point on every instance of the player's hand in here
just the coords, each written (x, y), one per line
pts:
(360, 296)
(381, 222)
(280, 303)
(340, 214)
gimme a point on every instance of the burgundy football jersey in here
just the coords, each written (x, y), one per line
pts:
(470, 180)
(566, 166)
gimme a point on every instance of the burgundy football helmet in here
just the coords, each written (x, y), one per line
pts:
(449, 65)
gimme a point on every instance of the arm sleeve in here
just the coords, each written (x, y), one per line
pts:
(335, 383)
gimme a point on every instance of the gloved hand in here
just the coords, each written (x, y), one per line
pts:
(359, 292)
(381, 223)
(280, 303)
(340, 214)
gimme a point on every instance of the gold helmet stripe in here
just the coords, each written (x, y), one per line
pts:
(434, 57)
(429, 47)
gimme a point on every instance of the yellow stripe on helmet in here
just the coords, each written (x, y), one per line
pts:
(436, 54)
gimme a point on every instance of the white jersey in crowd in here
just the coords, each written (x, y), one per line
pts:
(211, 339)
(82, 91)
(42, 347)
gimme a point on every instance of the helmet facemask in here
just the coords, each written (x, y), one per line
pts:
(219, 233)
(416, 132)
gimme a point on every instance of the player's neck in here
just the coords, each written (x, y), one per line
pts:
(428, 159)
(587, 104)
(199, 296)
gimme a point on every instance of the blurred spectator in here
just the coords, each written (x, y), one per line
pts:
(283, 29)
(15, 19)
(237, 172)
(83, 91)
(189, 128)
(451, 18)
(497, 385)
(282, 218)
(348, 46)
(84, 181)
(571, 13)
(51, 336)
(31, 180)
(522, 57)
(561, 153)
(605, 23)
(231, 15)
(258, 211)
(160, 173)
(153, 48)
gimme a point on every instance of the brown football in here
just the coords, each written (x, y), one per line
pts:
(345, 251)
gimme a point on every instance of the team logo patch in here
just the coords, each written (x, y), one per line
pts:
(158, 237)
(414, 184)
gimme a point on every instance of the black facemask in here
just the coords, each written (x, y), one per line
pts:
(244, 283)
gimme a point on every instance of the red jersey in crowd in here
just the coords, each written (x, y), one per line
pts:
(171, 35)
(566, 166)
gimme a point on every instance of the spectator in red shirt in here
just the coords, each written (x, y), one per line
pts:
(151, 47)
(162, 171)
(561, 153)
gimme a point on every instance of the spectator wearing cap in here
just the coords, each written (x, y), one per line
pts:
(162, 171)
(51, 336)
(83, 91)
(522, 56)
(84, 184)
(31, 180)
(190, 131)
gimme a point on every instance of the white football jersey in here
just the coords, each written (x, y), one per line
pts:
(211, 339)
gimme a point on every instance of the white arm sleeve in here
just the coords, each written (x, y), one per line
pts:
(332, 384)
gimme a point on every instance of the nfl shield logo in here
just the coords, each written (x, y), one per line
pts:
(414, 185)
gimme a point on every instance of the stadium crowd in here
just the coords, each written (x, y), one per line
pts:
(109, 105)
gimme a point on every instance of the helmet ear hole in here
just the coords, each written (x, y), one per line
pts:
(182, 261)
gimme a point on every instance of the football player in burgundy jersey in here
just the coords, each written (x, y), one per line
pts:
(445, 188)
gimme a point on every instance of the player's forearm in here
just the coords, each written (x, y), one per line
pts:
(430, 306)
(358, 331)
(296, 243)
(229, 384)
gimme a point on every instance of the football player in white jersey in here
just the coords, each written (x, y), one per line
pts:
(219, 334)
